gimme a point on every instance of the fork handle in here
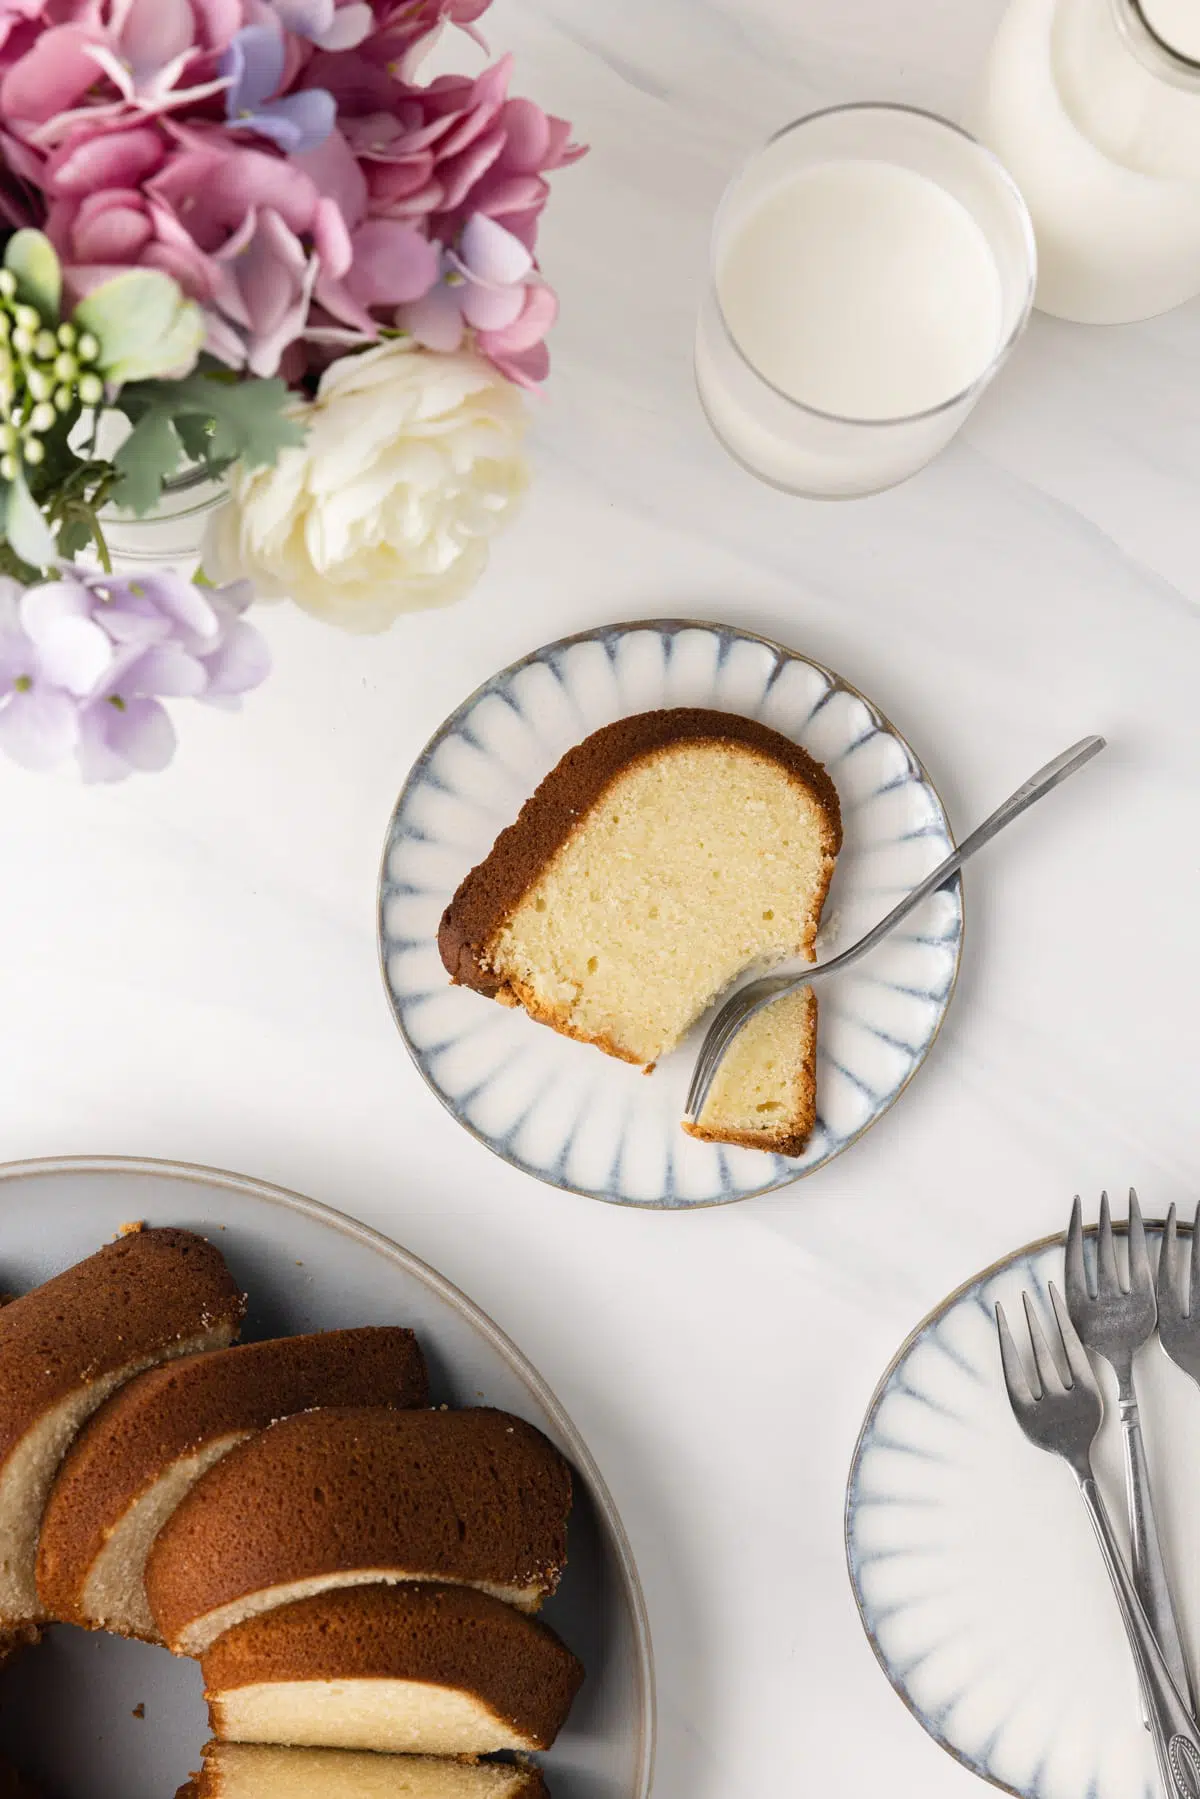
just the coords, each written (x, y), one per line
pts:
(1176, 1743)
(1149, 1572)
(1052, 775)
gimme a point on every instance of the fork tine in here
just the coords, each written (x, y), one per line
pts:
(1139, 1260)
(1107, 1278)
(1073, 1269)
(1020, 1394)
(1076, 1354)
(1048, 1372)
(1194, 1266)
(1167, 1285)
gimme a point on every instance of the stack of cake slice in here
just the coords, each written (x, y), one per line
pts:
(357, 1572)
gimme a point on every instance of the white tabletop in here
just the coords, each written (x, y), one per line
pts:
(188, 964)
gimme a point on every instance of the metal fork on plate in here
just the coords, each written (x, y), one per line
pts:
(1113, 1323)
(1063, 1416)
(1179, 1319)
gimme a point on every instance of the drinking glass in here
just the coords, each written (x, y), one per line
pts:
(798, 446)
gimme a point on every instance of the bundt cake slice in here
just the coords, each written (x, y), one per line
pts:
(68, 1344)
(262, 1771)
(404, 1669)
(345, 1496)
(147, 1446)
(662, 856)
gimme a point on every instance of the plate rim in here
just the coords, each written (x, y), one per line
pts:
(665, 626)
(1024, 1252)
(201, 1175)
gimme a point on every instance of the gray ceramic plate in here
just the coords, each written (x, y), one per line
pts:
(562, 1111)
(67, 1709)
(974, 1566)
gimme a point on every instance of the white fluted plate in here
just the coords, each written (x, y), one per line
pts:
(92, 1716)
(564, 1112)
(973, 1562)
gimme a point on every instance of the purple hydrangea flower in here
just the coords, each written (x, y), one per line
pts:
(87, 660)
(253, 65)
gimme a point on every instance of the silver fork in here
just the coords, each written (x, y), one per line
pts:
(1179, 1319)
(1063, 1417)
(1113, 1323)
(741, 1007)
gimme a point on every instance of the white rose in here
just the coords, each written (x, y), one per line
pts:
(411, 460)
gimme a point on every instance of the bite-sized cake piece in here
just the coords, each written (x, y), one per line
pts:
(146, 1447)
(404, 1669)
(344, 1496)
(263, 1771)
(765, 1093)
(661, 857)
(70, 1343)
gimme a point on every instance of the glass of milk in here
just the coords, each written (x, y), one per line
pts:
(872, 267)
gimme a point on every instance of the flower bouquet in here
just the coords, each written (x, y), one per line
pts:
(244, 240)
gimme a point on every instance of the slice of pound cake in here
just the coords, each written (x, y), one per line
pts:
(145, 1448)
(662, 857)
(345, 1496)
(422, 1669)
(765, 1093)
(262, 1771)
(68, 1344)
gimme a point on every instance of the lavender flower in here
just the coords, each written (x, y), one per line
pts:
(254, 64)
(87, 660)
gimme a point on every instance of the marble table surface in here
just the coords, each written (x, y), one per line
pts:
(188, 964)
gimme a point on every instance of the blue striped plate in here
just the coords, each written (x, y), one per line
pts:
(561, 1110)
(973, 1562)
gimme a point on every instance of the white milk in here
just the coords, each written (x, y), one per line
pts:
(1101, 132)
(864, 290)
(871, 267)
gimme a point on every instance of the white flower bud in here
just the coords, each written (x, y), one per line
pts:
(66, 335)
(91, 390)
(39, 383)
(87, 349)
(28, 317)
(8, 437)
(8, 283)
(65, 366)
(8, 467)
(35, 449)
(45, 344)
(22, 341)
(64, 398)
(42, 417)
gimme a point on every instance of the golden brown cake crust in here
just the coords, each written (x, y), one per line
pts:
(474, 1496)
(492, 891)
(177, 1408)
(146, 1291)
(440, 1635)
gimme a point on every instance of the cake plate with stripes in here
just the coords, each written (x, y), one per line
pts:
(561, 1110)
(973, 1562)
(91, 1716)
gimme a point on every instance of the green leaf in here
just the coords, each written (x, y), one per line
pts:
(31, 258)
(148, 457)
(74, 535)
(25, 526)
(144, 325)
(195, 434)
(223, 419)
